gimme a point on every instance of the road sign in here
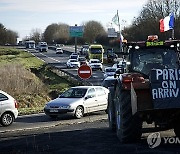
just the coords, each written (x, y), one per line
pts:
(112, 32)
(76, 31)
(84, 72)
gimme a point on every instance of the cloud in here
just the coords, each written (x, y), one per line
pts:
(69, 6)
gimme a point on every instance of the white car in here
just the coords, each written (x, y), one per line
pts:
(59, 50)
(73, 63)
(109, 71)
(8, 109)
(78, 101)
(95, 64)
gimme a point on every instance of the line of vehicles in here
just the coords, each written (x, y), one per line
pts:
(142, 87)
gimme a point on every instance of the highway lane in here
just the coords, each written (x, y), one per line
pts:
(59, 61)
(41, 120)
(22, 134)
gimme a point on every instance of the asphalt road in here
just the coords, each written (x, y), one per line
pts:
(89, 137)
(41, 120)
(40, 134)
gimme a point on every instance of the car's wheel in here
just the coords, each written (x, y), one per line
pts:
(79, 112)
(128, 126)
(53, 116)
(177, 128)
(7, 119)
(111, 113)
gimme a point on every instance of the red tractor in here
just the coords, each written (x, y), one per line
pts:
(149, 90)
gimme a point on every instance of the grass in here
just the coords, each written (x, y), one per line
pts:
(32, 81)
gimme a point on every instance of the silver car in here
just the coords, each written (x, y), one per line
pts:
(109, 71)
(8, 109)
(78, 101)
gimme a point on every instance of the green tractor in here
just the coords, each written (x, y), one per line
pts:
(149, 90)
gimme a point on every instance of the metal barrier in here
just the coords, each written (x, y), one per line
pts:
(70, 77)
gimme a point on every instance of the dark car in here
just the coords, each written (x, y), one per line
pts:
(82, 60)
(109, 82)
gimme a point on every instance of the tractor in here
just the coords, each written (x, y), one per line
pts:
(148, 92)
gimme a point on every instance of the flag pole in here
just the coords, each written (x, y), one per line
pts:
(120, 41)
(173, 33)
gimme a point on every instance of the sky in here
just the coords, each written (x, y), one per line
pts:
(24, 16)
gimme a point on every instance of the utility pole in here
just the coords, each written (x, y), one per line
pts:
(75, 42)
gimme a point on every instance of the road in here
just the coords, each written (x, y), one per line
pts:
(60, 60)
(90, 137)
(39, 134)
(41, 120)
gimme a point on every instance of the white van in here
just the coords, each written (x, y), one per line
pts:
(42, 47)
(8, 109)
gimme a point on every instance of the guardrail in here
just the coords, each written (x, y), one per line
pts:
(64, 50)
(70, 77)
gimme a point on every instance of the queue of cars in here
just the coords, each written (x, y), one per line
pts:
(76, 100)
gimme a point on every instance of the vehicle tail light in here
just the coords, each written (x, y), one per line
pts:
(132, 78)
(16, 104)
(127, 79)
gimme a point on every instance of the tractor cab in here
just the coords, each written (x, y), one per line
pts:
(153, 54)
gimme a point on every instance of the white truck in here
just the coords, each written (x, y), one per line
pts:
(42, 47)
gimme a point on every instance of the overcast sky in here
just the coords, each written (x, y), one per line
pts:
(24, 15)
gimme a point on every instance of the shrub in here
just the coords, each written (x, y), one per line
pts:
(16, 80)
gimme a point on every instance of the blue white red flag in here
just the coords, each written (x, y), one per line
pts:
(167, 23)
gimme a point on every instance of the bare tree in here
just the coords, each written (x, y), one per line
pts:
(36, 35)
(147, 23)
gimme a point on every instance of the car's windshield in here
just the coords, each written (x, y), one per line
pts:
(96, 50)
(43, 45)
(74, 57)
(146, 59)
(73, 60)
(74, 93)
(82, 59)
(108, 83)
(110, 70)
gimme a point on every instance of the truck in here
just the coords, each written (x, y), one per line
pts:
(30, 44)
(95, 51)
(111, 56)
(148, 91)
(42, 47)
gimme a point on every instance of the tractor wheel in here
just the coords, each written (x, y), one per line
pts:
(128, 126)
(111, 113)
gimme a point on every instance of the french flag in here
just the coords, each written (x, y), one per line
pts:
(167, 23)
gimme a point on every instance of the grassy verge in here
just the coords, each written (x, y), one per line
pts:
(29, 80)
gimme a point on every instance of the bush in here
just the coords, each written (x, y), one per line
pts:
(16, 80)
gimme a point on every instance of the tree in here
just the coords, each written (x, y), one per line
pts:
(147, 23)
(92, 30)
(56, 33)
(7, 36)
(36, 35)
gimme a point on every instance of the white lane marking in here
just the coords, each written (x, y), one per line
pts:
(50, 57)
(37, 57)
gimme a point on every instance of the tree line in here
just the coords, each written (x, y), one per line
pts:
(147, 23)
(7, 36)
